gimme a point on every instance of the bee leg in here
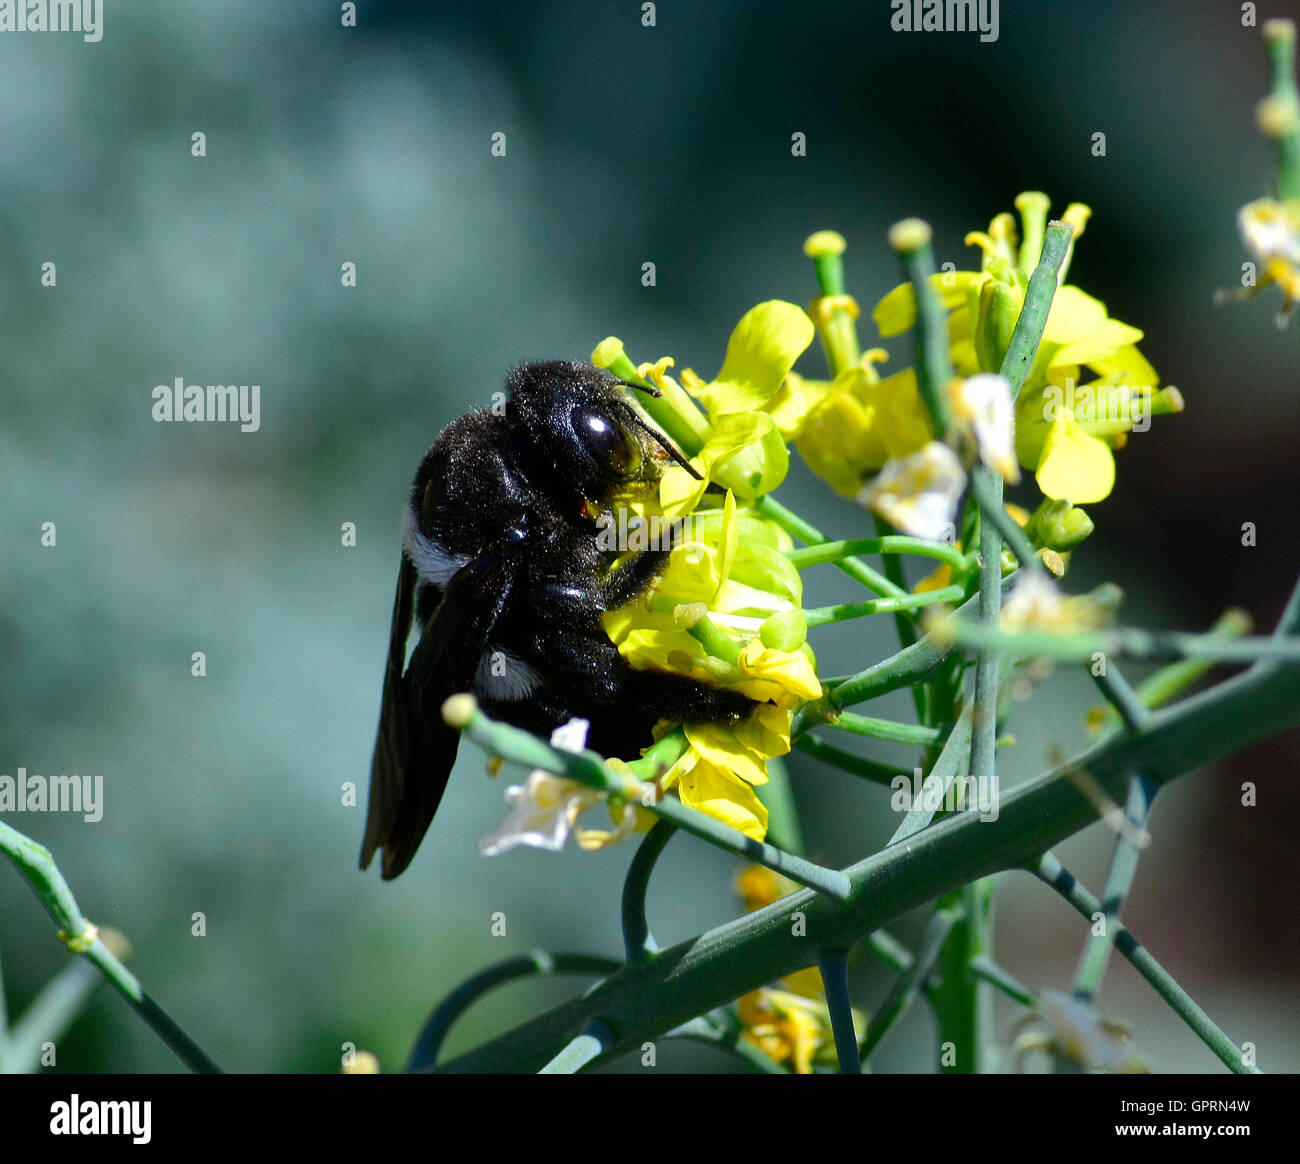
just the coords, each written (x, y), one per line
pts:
(632, 578)
(659, 695)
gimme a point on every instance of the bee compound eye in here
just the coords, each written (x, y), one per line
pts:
(608, 441)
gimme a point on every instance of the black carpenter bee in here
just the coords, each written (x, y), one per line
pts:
(502, 566)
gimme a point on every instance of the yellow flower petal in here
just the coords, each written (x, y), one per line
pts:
(1075, 466)
(763, 347)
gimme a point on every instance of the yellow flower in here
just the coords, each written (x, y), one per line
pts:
(858, 421)
(787, 1027)
(739, 445)
(1089, 385)
(728, 573)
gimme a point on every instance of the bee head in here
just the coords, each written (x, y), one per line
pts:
(577, 417)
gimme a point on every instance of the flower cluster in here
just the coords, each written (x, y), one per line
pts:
(726, 607)
(1087, 389)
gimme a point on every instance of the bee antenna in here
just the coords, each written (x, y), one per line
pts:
(665, 444)
(646, 388)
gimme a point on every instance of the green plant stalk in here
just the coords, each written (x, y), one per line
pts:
(933, 367)
(986, 488)
(1028, 333)
(885, 729)
(1050, 871)
(1171, 680)
(36, 864)
(906, 988)
(1123, 868)
(538, 963)
(911, 665)
(1125, 642)
(579, 1052)
(512, 743)
(834, 967)
(48, 1016)
(821, 615)
(840, 336)
(1126, 702)
(877, 773)
(816, 554)
(1281, 54)
(796, 527)
(904, 621)
(945, 769)
(637, 940)
(962, 1002)
(642, 1001)
(999, 979)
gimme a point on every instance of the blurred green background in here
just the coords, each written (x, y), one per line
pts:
(625, 145)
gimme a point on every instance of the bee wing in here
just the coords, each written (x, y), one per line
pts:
(415, 749)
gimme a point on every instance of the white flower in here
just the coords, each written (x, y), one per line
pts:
(1270, 231)
(1036, 603)
(545, 807)
(918, 495)
(543, 811)
(982, 404)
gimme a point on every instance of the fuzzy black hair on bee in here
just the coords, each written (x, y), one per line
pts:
(504, 573)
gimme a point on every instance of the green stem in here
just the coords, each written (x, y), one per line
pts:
(883, 774)
(821, 615)
(1280, 36)
(905, 989)
(904, 620)
(48, 1016)
(1040, 292)
(796, 527)
(911, 240)
(1125, 642)
(1050, 871)
(886, 729)
(962, 1003)
(944, 771)
(424, 1056)
(637, 940)
(37, 866)
(995, 976)
(512, 743)
(642, 1001)
(816, 554)
(594, 1041)
(986, 488)
(840, 335)
(911, 665)
(1123, 867)
(1127, 703)
(834, 966)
